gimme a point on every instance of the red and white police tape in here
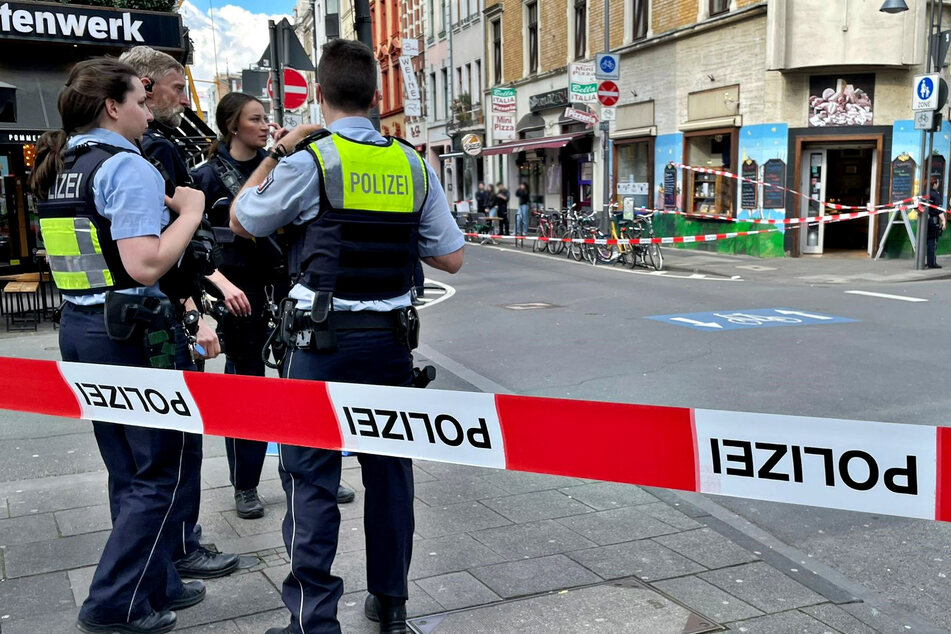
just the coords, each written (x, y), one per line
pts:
(887, 468)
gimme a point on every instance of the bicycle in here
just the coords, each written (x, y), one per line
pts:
(547, 239)
(650, 255)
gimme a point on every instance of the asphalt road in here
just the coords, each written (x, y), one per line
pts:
(594, 341)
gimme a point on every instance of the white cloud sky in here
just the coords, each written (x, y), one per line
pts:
(240, 36)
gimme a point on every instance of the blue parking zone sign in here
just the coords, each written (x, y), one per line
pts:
(755, 318)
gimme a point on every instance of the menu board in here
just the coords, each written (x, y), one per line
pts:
(937, 171)
(903, 178)
(774, 192)
(749, 171)
(670, 186)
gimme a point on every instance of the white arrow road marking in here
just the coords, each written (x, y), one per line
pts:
(902, 298)
(802, 314)
(705, 324)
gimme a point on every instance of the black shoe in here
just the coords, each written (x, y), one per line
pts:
(248, 504)
(345, 495)
(206, 564)
(280, 630)
(153, 623)
(391, 616)
(193, 593)
(933, 266)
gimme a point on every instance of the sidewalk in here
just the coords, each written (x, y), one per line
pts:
(496, 551)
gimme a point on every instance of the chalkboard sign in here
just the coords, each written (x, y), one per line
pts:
(670, 186)
(774, 175)
(749, 172)
(937, 171)
(903, 178)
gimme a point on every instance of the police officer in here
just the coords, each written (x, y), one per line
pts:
(102, 210)
(164, 81)
(365, 208)
(256, 266)
(936, 223)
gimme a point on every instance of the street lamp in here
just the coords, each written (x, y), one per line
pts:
(921, 238)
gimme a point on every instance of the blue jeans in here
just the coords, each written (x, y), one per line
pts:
(521, 221)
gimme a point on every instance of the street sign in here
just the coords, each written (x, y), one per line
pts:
(924, 119)
(609, 113)
(940, 44)
(292, 120)
(295, 89)
(608, 93)
(604, 126)
(755, 318)
(607, 66)
(290, 51)
(925, 96)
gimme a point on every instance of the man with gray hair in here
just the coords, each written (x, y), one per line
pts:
(164, 81)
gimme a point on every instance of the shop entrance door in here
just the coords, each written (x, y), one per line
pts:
(814, 186)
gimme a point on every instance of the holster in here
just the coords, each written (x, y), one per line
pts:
(148, 319)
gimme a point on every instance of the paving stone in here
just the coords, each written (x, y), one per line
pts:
(272, 521)
(218, 627)
(521, 482)
(876, 619)
(214, 527)
(79, 582)
(456, 518)
(258, 623)
(602, 496)
(836, 617)
(89, 519)
(447, 471)
(251, 544)
(352, 619)
(4, 508)
(707, 599)
(617, 525)
(783, 623)
(707, 547)
(31, 596)
(31, 502)
(271, 492)
(26, 458)
(59, 622)
(231, 597)
(532, 540)
(277, 574)
(531, 576)
(763, 587)
(457, 590)
(28, 528)
(451, 553)
(537, 505)
(644, 558)
(669, 515)
(58, 554)
(217, 499)
(352, 568)
(445, 492)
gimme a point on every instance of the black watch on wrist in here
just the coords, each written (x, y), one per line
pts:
(277, 153)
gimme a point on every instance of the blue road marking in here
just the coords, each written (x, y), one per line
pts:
(754, 318)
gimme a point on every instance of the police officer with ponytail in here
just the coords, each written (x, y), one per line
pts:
(105, 221)
(253, 274)
(364, 209)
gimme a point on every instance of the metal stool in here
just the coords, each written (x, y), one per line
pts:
(21, 305)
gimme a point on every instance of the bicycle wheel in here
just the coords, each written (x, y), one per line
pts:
(470, 229)
(556, 246)
(603, 252)
(574, 248)
(655, 256)
(539, 246)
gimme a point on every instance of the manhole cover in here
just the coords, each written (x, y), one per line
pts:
(530, 306)
(621, 606)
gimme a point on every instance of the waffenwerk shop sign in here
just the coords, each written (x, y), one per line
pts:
(88, 25)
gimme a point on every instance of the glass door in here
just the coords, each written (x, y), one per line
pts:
(814, 186)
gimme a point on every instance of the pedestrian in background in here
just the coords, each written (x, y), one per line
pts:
(936, 223)
(502, 205)
(524, 199)
(114, 313)
(482, 198)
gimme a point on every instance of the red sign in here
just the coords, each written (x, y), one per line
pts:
(608, 93)
(295, 89)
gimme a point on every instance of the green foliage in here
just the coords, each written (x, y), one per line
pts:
(165, 6)
(763, 245)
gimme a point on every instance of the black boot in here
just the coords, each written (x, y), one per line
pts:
(389, 613)
(154, 623)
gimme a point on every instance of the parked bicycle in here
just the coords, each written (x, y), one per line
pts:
(547, 233)
(648, 255)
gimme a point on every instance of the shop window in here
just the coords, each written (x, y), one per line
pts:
(531, 14)
(710, 193)
(634, 169)
(497, 51)
(719, 6)
(640, 19)
(581, 28)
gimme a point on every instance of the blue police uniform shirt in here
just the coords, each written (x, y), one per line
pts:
(130, 193)
(291, 195)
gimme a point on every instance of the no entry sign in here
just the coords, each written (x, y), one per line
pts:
(295, 89)
(608, 93)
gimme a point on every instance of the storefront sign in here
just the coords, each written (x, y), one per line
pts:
(836, 100)
(937, 171)
(774, 175)
(7, 136)
(409, 77)
(472, 144)
(75, 24)
(582, 83)
(749, 170)
(548, 100)
(410, 46)
(903, 178)
(580, 115)
(632, 189)
(414, 133)
(503, 99)
(670, 186)
(503, 127)
(413, 108)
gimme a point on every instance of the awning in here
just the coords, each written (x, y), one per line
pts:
(532, 144)
(37, 91)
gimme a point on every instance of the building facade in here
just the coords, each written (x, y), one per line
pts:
(808, 96)
(386, 19)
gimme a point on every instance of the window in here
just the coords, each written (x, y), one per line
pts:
(581, 28)
(445, 92)
(430, 18)
(468, 85)
(497, 51)
(397, 88)
(640, 19)
(431, 97)
(719, 6)
(459, 82)
(531, 13)
(477, 78)
(385, 90)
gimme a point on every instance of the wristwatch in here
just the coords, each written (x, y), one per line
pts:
(277, 152)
